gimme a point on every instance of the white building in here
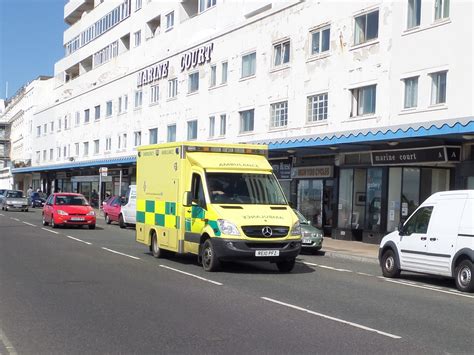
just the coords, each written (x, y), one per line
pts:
(366, 105)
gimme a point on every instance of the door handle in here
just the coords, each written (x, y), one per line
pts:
(423, 238)
(433, 239)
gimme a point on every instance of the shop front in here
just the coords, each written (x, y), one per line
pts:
(374, 199)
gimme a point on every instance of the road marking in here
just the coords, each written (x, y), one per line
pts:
(79, 240)
(327, 267)
(333, 318)
(364, 274)
(29, 224)
(117, 252)
(9, 346)
(49, 230)
(455, 293)
(187, 273)
(15, 219)
(1, 214)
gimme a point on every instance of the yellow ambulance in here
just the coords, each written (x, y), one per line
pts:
(218, 201)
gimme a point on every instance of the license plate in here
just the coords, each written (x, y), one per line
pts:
(18, 206)
(77, 219)
(267, 253)
(306, 241)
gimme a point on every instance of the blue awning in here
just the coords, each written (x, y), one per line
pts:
(370, 136)
(131, 159)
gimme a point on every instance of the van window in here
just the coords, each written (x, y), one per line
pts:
(419, 222)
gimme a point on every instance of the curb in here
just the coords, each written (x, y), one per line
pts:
(364, 259)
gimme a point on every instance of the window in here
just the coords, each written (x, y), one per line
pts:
(193, 82)
(45, 129)
(441, 9)
(366, 27)
(318, 107)
(249, 64)
(44, 155)
(172, 87)
(212, 81)
(154, 94)
(192, 129)
(171, 135)
(418, 223)
(438, 88)
(138, 98)
(86, 116)
(59, 124)
(65, 152)
(108, 144)
(122, 103)
(97, 112)
(411, 92)
(38, 131)
(122, 141)
(363, 101)
(76, 147)
(223, 125)
(137, 138)
(153, 133)
(66, 122)
(224, 73)
(279, 114)
(281, 53)
(51, 154)
(58, 153)
(52, 126)
(138, 5)
(138, 38)
(38, 156)
(320, 40)
(78, 119)
(85, 148)
(246, 121)
(212, 126)
(108, 109)
(414, 13)
(206, 4)
(170, 21)
(96, 146)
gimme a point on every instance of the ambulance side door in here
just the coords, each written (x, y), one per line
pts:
(196, 213)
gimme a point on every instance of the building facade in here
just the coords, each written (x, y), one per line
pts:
(364, 113)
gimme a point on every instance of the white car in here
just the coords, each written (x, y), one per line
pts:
(128, 212)
(437, 239)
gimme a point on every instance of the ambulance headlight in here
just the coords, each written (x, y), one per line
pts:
(296, 229)
(227, 227)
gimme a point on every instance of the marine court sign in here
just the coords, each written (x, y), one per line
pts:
(189, 60)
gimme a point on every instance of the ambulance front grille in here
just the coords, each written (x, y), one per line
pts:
(263, 231)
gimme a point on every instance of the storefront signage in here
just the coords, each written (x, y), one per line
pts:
(196, 57)
(313, 172)
(282, 169)
(153, 73)
(416, 155)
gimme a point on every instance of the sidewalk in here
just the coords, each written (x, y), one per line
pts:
(351, 250)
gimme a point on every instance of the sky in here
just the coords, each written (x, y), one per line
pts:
(31, 33)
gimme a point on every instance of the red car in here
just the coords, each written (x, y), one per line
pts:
(63, 209)
(112, 209)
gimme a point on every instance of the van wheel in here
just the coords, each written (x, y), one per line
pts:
(155, 249)
(107, 219)
(286, 265)
(389, 265)
(122, 222)
(463, 276)
(209, 258)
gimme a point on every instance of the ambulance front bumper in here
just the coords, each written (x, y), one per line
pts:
(232, 249)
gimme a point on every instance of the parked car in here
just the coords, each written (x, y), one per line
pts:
(437, 239)
(128, 215)
(112, 209)
(312, 237)
(14, 199)
(37, 200)
(105, 202)
(63, 209)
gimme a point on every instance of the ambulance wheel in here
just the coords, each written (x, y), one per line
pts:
(286, 265)
(208, 256)
(155, 249)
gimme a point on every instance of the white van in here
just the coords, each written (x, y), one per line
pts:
(437, 239)
(128, 213)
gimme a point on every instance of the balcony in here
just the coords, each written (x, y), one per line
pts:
(74, 9)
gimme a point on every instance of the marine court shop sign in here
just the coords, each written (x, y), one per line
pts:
(416, 155)
(196, 57)
(153, 73)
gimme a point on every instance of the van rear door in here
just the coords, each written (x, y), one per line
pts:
(443, 232)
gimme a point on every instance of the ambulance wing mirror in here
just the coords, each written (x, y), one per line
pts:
(187, 199)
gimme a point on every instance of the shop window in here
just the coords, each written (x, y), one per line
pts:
(394, 193)
(345, 198)
(374, 199)
(410, 191)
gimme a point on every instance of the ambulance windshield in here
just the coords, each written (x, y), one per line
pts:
(241, 188)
